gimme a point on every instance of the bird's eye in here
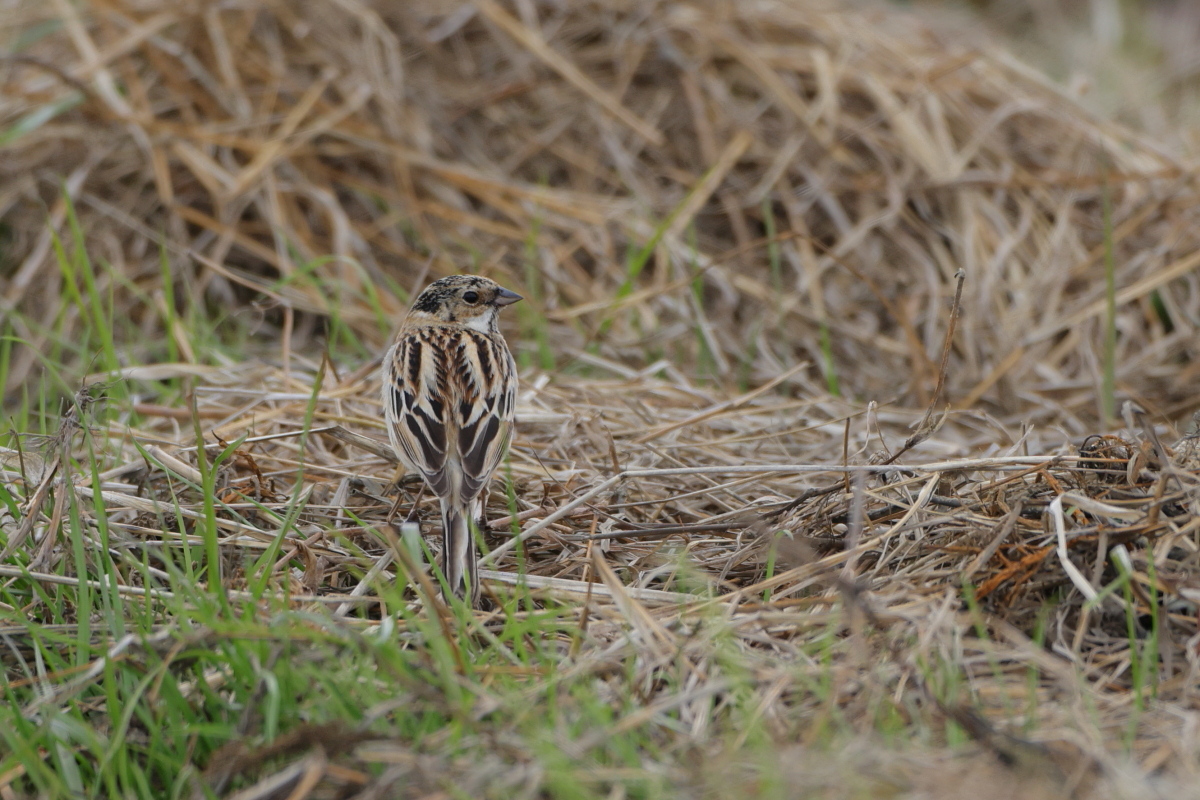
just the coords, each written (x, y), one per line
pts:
(471, 297)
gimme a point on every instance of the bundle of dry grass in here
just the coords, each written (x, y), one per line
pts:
(778, 181)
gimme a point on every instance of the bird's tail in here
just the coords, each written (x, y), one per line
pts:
(459, 563)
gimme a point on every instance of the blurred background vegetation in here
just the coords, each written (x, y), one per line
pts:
(654, 176)
(1134, 60)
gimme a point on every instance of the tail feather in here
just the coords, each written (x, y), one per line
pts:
(459, 563)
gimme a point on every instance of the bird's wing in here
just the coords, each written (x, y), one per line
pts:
(487, 399)
(415, 396)
(449, 405)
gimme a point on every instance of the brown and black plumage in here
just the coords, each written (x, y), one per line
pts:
(449, 394)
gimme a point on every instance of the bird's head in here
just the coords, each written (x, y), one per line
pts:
(468, 300)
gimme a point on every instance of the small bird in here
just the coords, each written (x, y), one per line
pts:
(449, 397)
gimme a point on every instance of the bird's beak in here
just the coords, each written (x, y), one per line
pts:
(506, 298)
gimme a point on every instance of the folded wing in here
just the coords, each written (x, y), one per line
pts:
(450, 407)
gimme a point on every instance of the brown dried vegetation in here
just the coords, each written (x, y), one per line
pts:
(716, 210)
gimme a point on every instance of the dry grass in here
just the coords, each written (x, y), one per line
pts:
(387, 138)
(720, 213)
(653, 519)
